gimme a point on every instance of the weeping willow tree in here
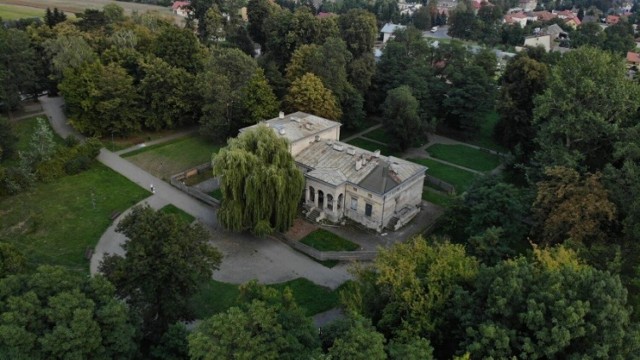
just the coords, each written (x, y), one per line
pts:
(260, 183)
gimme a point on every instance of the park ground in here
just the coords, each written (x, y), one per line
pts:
(88, 202)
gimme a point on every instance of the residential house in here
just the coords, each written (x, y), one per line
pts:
(388, 29)
(633, 59)
(344, 181)
(612, 19)
(550, 38)
(180, 8)
(408, 9)
(570, 18)
(543, 40)
(544, 15)
(518, 18)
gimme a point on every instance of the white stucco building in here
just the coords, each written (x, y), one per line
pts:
(344, 181)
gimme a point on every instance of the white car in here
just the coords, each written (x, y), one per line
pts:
(434, 29)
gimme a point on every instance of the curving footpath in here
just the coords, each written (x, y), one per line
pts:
(245, 257)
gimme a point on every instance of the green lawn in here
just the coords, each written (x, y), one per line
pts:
(54, 223)
(367, 123)
(465, 156)
(485, 133)
(181, 214)
(215, 297)
(23, 129)
(379, 134)
(166, 159)
(324, 240)
(459, 178)
(13, 12)
(371, 146)
(436, 197)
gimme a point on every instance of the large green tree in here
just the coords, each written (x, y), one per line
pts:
(178, 47)
(260, 183)
(308, 94)
(523, 79)
(268, 325)
(101, 99)
(401, 118)
(165, 262)
(547, 307)
(168, 94)
(53, 313)
(359, 30)
(17, 66)
(586, 109)
(223, 85)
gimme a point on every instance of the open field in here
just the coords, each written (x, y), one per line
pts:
(379, 134)
(367, 123)
(466, 156)
(76, 6)
(215, 297)
(459, 178)
(166, 159)
(14, 12)
(324, 240)
(54, 223)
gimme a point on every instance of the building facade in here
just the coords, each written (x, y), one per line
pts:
(344, 181)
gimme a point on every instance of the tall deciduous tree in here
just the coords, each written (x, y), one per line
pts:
(308, 94)
(359, 30)
(101, 99)
(8, 139)
(165, 262)
(268, 325)
(55, 314)
(360, 342)
(68, 52)
(548, 307)
(586, 108)
(12, 261)
(401, 118)
(411, 287)
(178, 47)
(168, 94)
(261, 185)
(571, 207)
(259, 101)
(258, 11)
(469, 98)
(523, 79)
(17, 66)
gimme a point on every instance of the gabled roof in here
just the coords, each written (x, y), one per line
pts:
(544, 15)
(179, 4)
(633, 57)
(334, 162)
(390, 28)
(613, 19)
(297, 126)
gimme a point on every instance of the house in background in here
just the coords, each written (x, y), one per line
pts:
(388, 29)
(528, 5)
(344, 181)
(519, 18)
(181, 8)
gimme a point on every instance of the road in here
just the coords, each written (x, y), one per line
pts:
(245, 257)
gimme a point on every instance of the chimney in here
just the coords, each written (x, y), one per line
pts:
(359, 164)
(376, 154)
(281, 115)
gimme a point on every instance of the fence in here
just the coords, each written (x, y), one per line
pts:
(448, 188)
(357, 255)
(177, 180)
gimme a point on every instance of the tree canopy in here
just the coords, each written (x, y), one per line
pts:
(260, 183)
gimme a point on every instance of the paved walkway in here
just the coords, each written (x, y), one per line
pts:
(361, 133)
(245, 257)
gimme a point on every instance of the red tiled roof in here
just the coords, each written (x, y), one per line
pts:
(544, 15)
(613, 19)
(633, 57)
(179, 4)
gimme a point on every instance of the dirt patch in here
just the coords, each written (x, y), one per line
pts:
(300, 229)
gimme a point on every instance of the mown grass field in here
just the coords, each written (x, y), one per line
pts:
(54, 223)
(436, 197)
(324, 240)
(379, 134)
(215, 297)
(14, 12)
(166, 159)
(459, 178)
(466, 156)
(75, 6)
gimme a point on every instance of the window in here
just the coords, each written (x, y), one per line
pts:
(368, 209)
(354, 203)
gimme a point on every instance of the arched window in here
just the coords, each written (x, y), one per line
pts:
(312, 194)
(330, 202)
(340, 197)
(320, 199)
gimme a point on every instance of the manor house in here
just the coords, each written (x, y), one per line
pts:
(344, 181)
